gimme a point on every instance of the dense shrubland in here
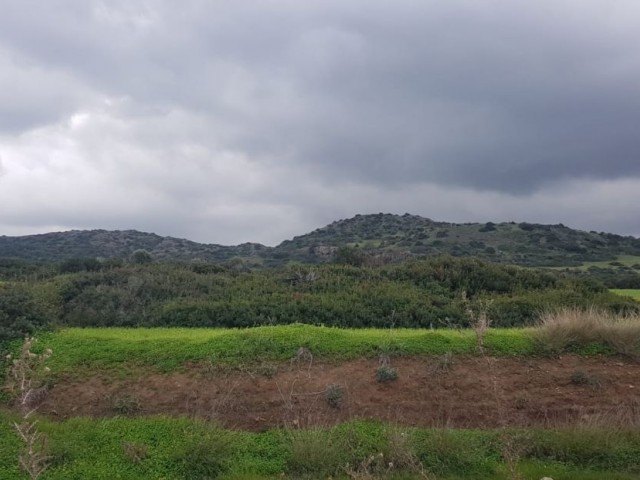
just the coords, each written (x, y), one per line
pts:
(413, 294)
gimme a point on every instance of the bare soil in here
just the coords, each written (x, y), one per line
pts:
(443, 392)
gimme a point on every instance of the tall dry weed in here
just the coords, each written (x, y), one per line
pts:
(27, 383)
(565, 329)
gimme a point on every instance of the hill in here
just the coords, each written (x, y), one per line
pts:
(59, 246)
(395, 236)
(378, 238)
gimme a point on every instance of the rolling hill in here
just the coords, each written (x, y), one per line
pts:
(378, 238)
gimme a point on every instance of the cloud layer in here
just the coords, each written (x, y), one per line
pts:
(255, 121)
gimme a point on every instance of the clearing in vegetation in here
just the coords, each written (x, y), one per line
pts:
(627, 292)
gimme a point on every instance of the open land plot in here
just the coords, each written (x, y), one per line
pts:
(300, 401)
(627, 292)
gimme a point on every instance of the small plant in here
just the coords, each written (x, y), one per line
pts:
(400, 454)
(315, 451)
(203, 455)
(334, 395)
(266, 369)
(580, 377)
(367, 468)
(386, 374)
(442, 364)
(478, 318)
(135, 452)
(513, 448)
(303, 355)
(126, 404)
(27, 382)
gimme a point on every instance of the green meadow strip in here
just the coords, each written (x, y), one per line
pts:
(167, 349)
(179, 448)
(627, 292)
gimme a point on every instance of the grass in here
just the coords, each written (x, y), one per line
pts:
(175, 448)
(83, 351)
(569, 330)
(627, 292)
(78, 351)
(625, 260)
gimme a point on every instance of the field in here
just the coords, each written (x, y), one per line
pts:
(628, 292)
(300, 401)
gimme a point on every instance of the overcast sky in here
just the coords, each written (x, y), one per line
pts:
(256, 120)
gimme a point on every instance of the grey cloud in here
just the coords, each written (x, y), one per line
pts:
(232, 108)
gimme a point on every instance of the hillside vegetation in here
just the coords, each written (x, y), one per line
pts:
(378, 239)
(432, 293)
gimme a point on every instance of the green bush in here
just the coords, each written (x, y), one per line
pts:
(386, 374)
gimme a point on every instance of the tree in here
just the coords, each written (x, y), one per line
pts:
(141, 257)
(350, 256)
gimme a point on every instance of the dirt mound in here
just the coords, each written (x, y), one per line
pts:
(443, 391)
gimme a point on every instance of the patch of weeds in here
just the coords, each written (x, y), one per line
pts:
(478, 318)
(266, 369)
(442, 364)
(400, 454)
(589, 332)
(26, 379)
(368, 469)
(203, 455)
(514, 445)
(126, 404)
(386, 374)
(580, 377)
(451, 453)
(521, 401)
(334, 395)
(209, 369)
(135, 452)
(315, 451)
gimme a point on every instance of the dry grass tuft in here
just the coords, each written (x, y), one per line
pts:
(565, 329)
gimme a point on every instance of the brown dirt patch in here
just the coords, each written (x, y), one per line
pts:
(466, 392)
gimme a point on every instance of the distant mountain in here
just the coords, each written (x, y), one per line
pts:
(53, 247)
(379, 238)
(391, 236)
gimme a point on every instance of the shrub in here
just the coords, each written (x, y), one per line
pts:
(126, 404)
(334, 395)
(580, 377)
(442, 364)
(386, 374)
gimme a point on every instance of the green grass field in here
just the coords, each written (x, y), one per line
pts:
(626, 260)
(77, 351)
(179, 448)
(627, 292)
(81, 351)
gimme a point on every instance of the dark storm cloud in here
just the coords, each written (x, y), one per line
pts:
(497, 95)
(300, 112)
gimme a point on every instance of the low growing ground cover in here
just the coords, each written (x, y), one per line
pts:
(555, 400)
(628, 292)
(166, 349)
(180, 448)
(169, 349)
